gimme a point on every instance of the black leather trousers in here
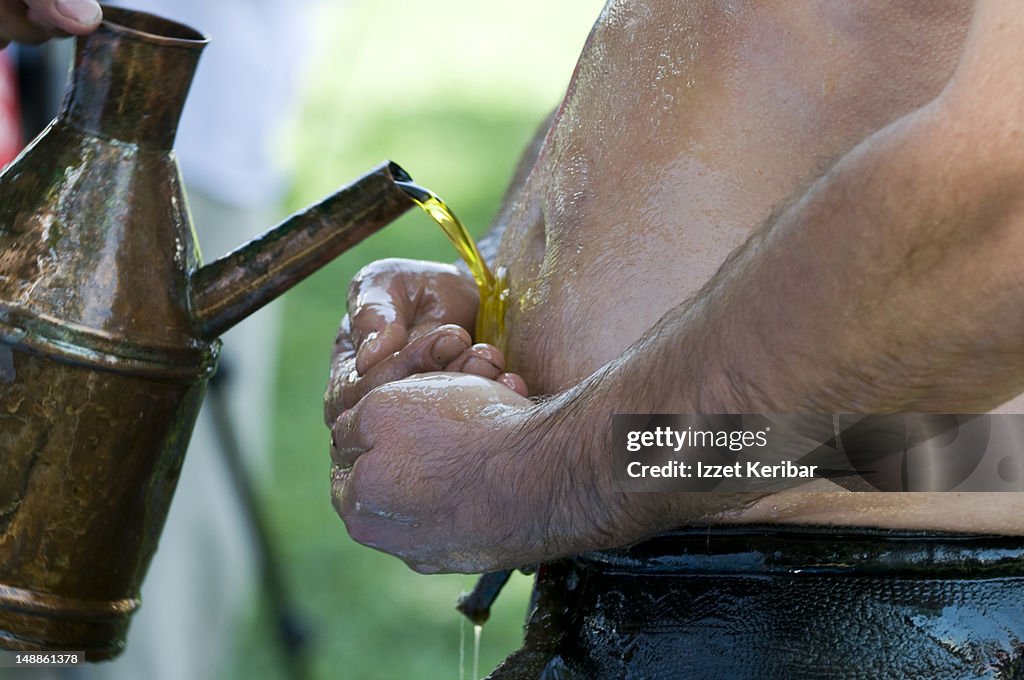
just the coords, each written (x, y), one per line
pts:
(787, 603)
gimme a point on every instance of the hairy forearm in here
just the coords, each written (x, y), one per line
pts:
(892, 284)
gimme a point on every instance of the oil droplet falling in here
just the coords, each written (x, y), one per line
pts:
(493, 287)
(477, 631)
(462, 647)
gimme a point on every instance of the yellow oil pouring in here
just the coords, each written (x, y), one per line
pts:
(493, 286)
(490, 326)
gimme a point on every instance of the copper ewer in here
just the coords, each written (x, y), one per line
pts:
(108, 328)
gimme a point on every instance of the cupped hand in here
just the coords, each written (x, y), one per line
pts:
(408, 317)
(34, 21)
(454, 472)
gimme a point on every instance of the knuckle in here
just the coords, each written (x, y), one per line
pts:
(380, 268)
(422, 567)
(362, 315)
(340, 384)
(344, 335)
(361, 529)
(367, 271)
(345, 431)
(331, 400)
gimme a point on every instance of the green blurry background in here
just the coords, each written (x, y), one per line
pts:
(452, 90)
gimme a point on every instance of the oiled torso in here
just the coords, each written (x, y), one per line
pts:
(686, 125)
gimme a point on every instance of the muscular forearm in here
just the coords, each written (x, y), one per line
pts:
(893, 284)
(889, 286)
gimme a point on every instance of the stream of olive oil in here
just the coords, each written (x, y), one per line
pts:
(493, 286)
(490, 325)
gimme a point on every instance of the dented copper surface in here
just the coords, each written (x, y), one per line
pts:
(108, 328)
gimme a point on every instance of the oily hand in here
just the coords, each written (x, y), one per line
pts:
(33, 21)
(407, 317)
(431, 469)
(453, 472)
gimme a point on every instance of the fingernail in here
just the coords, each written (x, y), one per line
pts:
(447, 348)
(85, 12)
(490, 354)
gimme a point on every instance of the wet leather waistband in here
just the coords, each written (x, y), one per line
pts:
(850, 551)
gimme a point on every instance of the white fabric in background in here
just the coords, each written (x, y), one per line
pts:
(245, 87)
